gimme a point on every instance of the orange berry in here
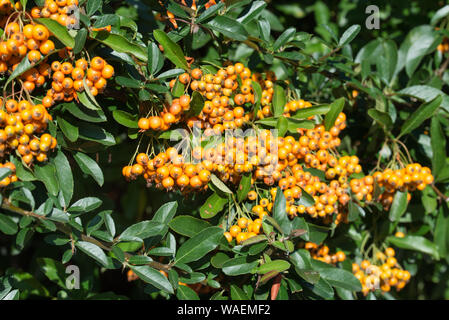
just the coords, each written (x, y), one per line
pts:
(144, 123)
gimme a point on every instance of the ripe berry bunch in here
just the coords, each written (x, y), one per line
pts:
(384, 274)
(413, 176)
(289, 108)
(244, 229)
(225, 93)
(20, 127)
(12, 177)
(31, 40)
(168, 170)
(321, 253)
(68, 79)
(61, 11)
(167, 117)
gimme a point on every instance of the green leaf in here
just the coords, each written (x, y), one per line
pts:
(382, 118)
(279, 213)
(220, 184)
(337, 277)
(199, 245)
(257, 96)
(186, 293)
(87, 115)
(93, 6)
(85, 205)
(47, 174)
(124, 118)
(440, 14)
(423, 113)
(255, 239)
(69, 130)
(251, 12)
(23, 237)
(264, 29)
(120, 44)
(355, 211)
(196, 104)
(282, 126)
(279, 100)
(209, 12)
(219, 259)
(213, 205)
(53, 270)
(128, 82)
(306, 199)
(438, 143)
(4, 173)
(416, 243)
(161, 251)
(239, 266)
(65, 176)
(171, 50)
(169, 74)
(244, 187)
(141, 230)
(90, 167)
(155, 59)
(80, 41)
(187, 225)
(7, 225)
(93, 251)
(228, 27)
(153, 277)
(349, 35)
(193, 277)
(96, 133)
(237, 293)
(284, 38)
(21, 68)
(441, 234)
(139, 260)
(427, 94)
(336, 108)
(166, 212)
(274, 265)
(386, 60)
(83, 97)
(420, 41)
(58, 30)
(178, 89)
(305, 113)
(317, 234)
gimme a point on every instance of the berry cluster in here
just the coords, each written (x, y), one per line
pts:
(167, 117)
(20, 127)
(243, 230)
(68, 79)
(321, 253)
(23, 120)
(31, 40)
(413, 176)
(61, 11)
(168, 170)
(384, 275)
